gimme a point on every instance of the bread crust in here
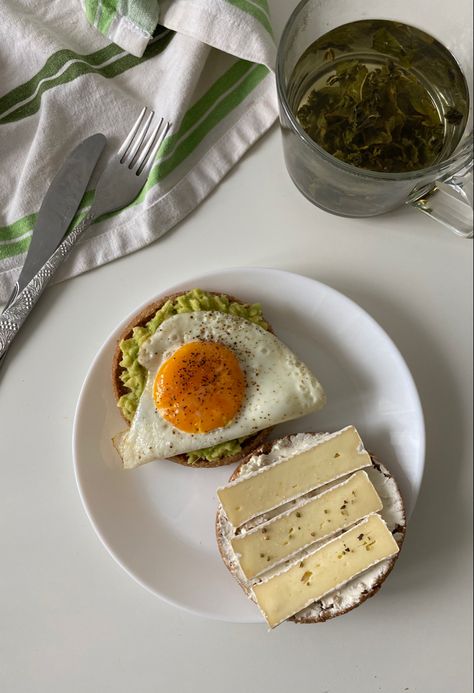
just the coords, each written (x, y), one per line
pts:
(140, 320)
(324, 615)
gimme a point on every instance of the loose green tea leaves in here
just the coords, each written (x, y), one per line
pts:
(372, 106)
(382, 120)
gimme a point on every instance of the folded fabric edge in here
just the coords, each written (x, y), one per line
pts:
(210, 24)
(128, 35)
(223, 30)
(129, 25)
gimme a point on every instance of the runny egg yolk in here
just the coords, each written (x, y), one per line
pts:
(200, 387)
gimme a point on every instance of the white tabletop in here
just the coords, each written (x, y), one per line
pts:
(72, 620)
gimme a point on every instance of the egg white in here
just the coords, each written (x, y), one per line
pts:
(279, 386)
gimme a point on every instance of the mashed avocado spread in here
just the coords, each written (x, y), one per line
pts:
(133, 375)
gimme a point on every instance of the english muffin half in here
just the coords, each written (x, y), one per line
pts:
(358, 589)
(128, 376)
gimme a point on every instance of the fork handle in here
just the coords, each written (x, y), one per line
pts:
(16, 313)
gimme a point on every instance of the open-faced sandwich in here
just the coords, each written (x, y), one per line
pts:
(310, 526)
(200, 378)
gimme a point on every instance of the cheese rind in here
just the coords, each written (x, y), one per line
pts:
(331, 458)
(333, 510)
(324, 570)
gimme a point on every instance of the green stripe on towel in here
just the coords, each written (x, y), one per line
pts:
(251, 7)
(25, 100)
(91, 7)
(18, 228)
(106, 14)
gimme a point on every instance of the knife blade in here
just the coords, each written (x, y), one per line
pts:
(59, 207)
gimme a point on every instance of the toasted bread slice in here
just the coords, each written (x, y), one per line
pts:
(140, 320)
(359, 589)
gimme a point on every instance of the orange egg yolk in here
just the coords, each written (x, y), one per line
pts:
(201, 387)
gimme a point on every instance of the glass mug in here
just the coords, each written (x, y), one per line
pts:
(444, 190)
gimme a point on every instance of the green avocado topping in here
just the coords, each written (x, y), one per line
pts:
(133, 375)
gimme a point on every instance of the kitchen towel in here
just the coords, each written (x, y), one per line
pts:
(67, 71)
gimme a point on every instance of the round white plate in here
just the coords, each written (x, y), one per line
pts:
(157, 521)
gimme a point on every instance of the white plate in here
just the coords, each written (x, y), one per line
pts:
(158, 520)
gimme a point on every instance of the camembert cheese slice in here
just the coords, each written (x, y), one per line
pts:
(332, 510)
(325, 569)
(332, 457)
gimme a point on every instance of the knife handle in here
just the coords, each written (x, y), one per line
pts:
(15, 315)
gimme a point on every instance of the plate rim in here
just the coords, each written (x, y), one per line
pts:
(414, 396)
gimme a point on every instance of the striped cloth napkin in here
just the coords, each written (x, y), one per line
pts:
(204, 65)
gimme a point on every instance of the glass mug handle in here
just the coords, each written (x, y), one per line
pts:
(449, 201)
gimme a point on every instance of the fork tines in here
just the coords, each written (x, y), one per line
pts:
(138, 151)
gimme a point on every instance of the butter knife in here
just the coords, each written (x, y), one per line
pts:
(59, 207)
(56, 213)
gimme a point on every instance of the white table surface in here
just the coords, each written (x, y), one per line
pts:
(72, 620)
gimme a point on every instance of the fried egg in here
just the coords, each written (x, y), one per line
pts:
(213, 377)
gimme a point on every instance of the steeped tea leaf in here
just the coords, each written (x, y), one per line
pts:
(384, 42)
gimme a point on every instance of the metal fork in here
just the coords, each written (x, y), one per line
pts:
(119, 184)
(128, 170)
